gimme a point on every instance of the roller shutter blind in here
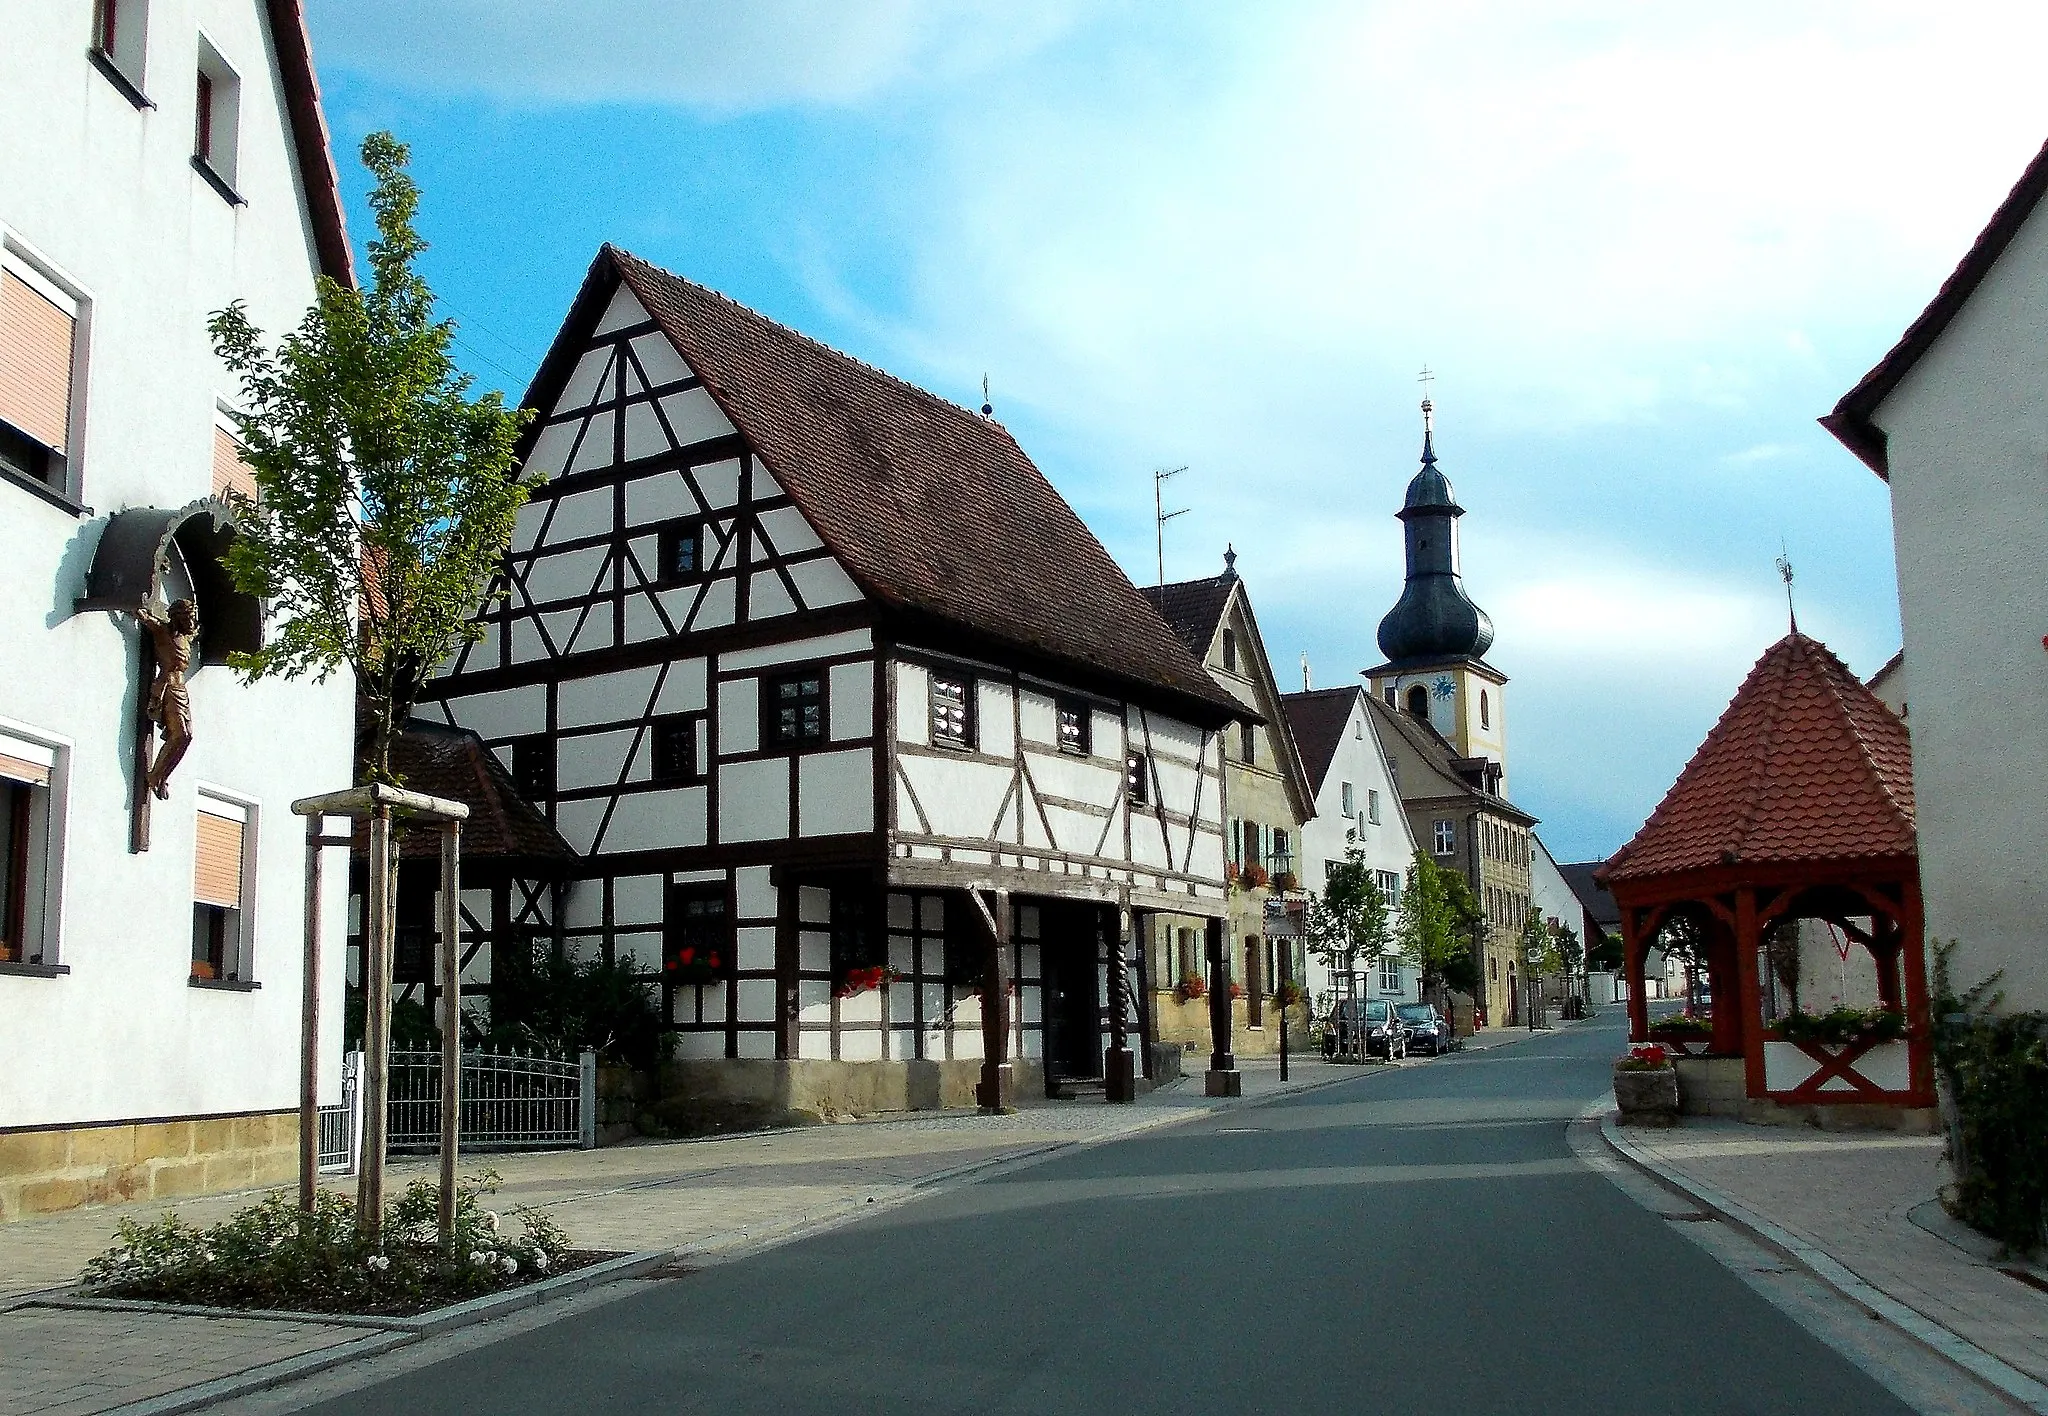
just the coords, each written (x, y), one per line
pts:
(230, 473)
(25, 762)
(35, 362)
(217, 861)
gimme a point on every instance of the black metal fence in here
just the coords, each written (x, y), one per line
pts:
(510, 1101)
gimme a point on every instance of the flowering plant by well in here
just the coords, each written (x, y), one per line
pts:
(1190, 988)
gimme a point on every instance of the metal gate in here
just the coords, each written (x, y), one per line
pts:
(340, 1125)
(510, 1101)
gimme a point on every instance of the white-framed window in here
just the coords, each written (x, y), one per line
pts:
(1389, 882)
(1372, 805)
(223, 866)
(31, 811)
(40, 349)
(1350, 800)
(1446, 837)
(216, 116)
(1390, 973)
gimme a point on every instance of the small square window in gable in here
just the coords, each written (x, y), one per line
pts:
(951, 697)
(533, 766)
(1075, 727)
(793, 709)
(682, 550)
(675, 757)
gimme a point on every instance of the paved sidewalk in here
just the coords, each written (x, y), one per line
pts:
(1866, 1202)
(694, 1197)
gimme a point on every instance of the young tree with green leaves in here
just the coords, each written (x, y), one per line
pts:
(1348, 922)
(385, 494)
(1437, 928)
(385, 498)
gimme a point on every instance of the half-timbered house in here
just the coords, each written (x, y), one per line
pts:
(829, 690)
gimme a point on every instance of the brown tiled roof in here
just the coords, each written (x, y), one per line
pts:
(1851, 419)
(454, 763)
(1318, 717)
(936, 512)
(1191, 608)
(1805, 765)
(309, 138)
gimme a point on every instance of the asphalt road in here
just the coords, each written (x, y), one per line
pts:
(1420, 1240)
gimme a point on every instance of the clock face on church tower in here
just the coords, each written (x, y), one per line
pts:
(1443, 688)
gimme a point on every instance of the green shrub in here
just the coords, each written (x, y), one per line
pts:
(273, 1255)
(1995, 1069)
(562, 1006)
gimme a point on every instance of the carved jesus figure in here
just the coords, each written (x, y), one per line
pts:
(170, 703)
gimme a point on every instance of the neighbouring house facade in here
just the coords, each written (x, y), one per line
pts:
(1551, 895)
(840, 709)
(163, 159)
(1955, 421)
(1269, 800)
(1443, 719)
(1356, 803)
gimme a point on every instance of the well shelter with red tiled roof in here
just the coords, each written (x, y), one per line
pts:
(1797, 806)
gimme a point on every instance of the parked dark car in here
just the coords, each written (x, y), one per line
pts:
(1427, 1028)
(1384, 1034)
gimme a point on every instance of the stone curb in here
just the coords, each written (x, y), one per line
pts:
(271, 1374)
(2006, 1380)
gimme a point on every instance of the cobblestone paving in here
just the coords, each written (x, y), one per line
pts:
(59, 1363)
(1850, 1196)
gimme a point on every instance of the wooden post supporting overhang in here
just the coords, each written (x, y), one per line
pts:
(1632, 959)
(995, 1095)
(1119, 1078)
(1222, 1078)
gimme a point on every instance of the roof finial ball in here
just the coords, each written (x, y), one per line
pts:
(988, 409)
(1229, 562)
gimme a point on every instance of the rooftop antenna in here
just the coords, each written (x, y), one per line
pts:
(1785, 570)
(1160, 515)
(988, 409)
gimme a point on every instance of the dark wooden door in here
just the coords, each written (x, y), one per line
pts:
(1073, 983)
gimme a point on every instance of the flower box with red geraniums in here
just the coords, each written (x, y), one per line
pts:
(1252, 877)
(1237, 990)
(862, 980)
(1190, 988)
(1287, 882)
(1643, 1057)
(692, 965)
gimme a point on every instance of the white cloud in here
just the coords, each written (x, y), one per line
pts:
(715, 56)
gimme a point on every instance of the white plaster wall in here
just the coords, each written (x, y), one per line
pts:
(1326, 836)
(1968, 440)
(107, 197)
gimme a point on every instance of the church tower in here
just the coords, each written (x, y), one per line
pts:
(1435, 638)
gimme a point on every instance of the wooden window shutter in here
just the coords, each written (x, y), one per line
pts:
(230, 473)
(217, 862)
(35, 362)
(25, 762)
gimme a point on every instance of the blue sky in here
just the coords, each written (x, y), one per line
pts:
(1642, 248)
